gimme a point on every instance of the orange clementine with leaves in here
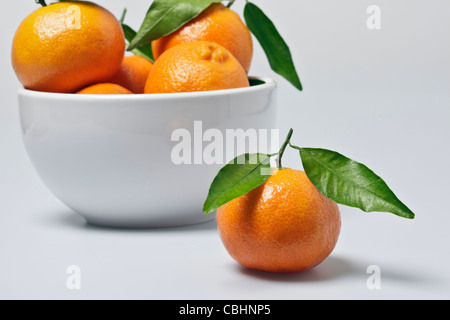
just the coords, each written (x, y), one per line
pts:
(217, 24)
(196, 66)
(286, 225)
(66, 46)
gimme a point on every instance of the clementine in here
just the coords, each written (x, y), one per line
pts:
(196, 66)
(286, 225)
(216, 24)
(133, 73)
(66, 46)
(105, 88)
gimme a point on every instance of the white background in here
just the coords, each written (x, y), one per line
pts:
(381, 97)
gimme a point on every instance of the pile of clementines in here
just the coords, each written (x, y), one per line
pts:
(79, 47)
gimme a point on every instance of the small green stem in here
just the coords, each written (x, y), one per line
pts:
(41, 2)
(122, 18)
(230, 3)
(283, 148)
(295, 147)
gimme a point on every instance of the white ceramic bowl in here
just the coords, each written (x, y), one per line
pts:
(108, 158)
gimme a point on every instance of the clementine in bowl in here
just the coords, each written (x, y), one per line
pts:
(105, 88)
(196, 66)
(217, 24)
(133, 73)
(66, 46)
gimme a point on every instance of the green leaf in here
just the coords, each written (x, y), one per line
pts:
(41, 2)
(276, 49)
(230, 3)
(350, 183)
(167, 16)
(239, 177)
(144, 51)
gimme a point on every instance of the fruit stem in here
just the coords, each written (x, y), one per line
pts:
(230, 3)
(283, 148)
(41, 2)
(122, 18)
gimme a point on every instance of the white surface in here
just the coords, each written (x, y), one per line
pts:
(381, 97)
(109, 158)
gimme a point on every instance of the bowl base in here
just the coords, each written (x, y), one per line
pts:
(146, 224)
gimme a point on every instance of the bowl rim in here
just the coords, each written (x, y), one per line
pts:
(268, 84)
